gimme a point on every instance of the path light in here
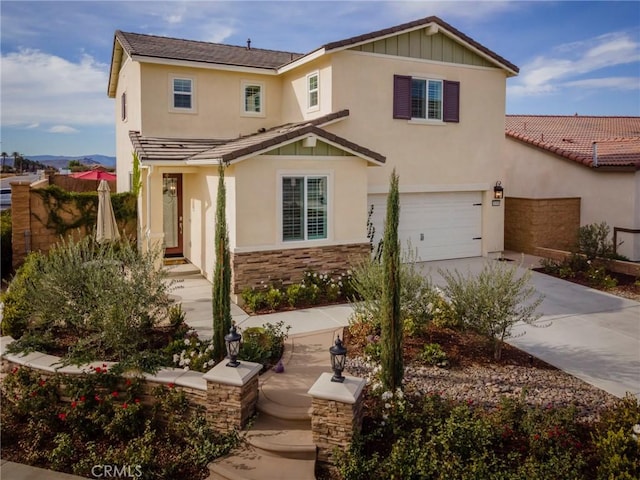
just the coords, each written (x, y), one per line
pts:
(232, 339)
(498, 191)
(338, 356)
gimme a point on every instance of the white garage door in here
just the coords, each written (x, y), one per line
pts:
(438, 225)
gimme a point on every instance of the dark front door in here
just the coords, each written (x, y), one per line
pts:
(172, 213)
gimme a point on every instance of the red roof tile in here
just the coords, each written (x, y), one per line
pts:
(591, 141)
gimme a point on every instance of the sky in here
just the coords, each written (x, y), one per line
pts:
(574, 57)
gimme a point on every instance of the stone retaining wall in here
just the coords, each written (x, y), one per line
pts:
(618, 266)
(227, 407)
(252, 269)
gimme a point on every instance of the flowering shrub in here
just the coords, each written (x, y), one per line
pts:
(73, 423)
(432, 437)
(191, 353)
(314, 289)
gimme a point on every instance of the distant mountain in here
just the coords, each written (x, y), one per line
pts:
(61, 161)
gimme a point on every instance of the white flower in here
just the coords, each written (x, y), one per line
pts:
(193, 353)
(387, 406)
(186, 342)
(386, 396)
(176, 358)
(186, 368)
(187, 361)
(429, 307)
(399, 394)
(181, 362)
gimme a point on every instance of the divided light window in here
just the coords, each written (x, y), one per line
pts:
(252, 98)
(313, 90)
(419, 98)
(304, 208)
(183, 93)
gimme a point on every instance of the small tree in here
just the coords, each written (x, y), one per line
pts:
(493, 301)
(222, 273)
(391, 334)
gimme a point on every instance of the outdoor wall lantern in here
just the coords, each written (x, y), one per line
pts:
(338, 357)
(232, 340)
(498, 191)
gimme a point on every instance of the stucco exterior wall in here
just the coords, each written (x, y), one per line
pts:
(258, 208)
(217, 102)
(294, 91)
(611, 197)
(129, 83)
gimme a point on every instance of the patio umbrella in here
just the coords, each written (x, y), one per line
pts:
(107, 229)
(94, 175)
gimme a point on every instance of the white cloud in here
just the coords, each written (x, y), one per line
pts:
(548, 74)
(62, 129)
(40, 88)
(613, 83)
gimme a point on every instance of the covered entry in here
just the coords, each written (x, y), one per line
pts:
(439, 225)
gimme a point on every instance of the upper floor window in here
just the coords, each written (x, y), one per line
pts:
(182, 94)
(253, 98)
(313, 90)
(419, 98)
(123, 106)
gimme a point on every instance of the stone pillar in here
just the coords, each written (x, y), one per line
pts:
(232, 394)
(20, 221)
(336, 414)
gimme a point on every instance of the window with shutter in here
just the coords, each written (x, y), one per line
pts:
(419, 98)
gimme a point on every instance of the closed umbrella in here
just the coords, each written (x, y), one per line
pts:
(107, 229)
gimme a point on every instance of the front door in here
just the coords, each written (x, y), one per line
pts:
(172, 214)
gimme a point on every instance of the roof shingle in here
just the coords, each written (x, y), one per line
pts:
(190, 150)
(190, 50)
(591, 141)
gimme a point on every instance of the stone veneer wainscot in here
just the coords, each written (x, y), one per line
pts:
(253, 269)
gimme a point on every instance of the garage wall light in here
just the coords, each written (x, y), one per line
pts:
(498, 191)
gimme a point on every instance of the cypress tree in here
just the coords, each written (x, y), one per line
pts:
(221, 297)
(391, 335)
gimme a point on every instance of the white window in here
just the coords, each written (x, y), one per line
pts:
(182, 91)
(313, 90)
(426, 99)
(253, 98)
(304, 207)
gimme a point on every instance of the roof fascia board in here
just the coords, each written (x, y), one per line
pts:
(114, 69)
(164, 163)
(440, 28)
(209, 66)
(216, 160)
(302, 60)
(510, 71)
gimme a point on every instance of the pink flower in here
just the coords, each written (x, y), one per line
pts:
(137, 400)
(42, 382)
(170, 385)
(62, 416)
(124, 405)
(74, 404)
(114, 394)
(82, 398)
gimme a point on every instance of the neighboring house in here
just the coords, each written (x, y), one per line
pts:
(309, 142)
(555, 163)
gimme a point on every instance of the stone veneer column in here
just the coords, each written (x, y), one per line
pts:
(336, 413)
(232, 394)
(20, 221)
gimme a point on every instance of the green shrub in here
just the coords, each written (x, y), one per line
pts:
(417, 296)
(106, 297)
(254, 299)
(598, 277)
(593, 241)
(6, 243)
(493, 301)
(102, 420)
(274, 298)
(264, 345)
(433, 354)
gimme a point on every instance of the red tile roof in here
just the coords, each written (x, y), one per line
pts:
(591, 141)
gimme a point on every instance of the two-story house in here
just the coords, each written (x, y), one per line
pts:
(309, 141)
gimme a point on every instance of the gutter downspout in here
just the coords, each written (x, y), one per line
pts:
(147, 230)
(595, 154)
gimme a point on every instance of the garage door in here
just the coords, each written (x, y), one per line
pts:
(438, 225)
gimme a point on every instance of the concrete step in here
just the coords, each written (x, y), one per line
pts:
(284, 438)
(181, 269)
(250, 463)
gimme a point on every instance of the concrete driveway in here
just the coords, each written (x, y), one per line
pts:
(590, 334)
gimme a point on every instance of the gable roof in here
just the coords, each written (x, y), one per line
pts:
(423, 23)
(161, 49)
(592, 141)
(205, 152)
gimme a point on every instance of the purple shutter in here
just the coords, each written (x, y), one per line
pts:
(451, 101)
(402, 97)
